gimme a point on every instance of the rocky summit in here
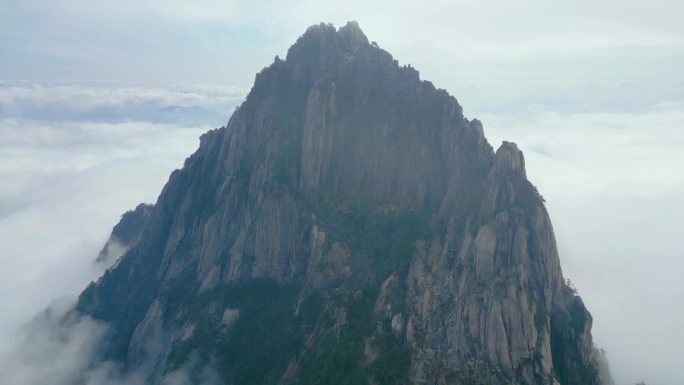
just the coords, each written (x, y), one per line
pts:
(347, 226)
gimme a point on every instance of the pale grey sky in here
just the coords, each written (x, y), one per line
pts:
(593, 92)
(494, 55)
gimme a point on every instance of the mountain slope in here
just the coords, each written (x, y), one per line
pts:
(347, 226)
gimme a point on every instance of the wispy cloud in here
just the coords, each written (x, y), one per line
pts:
(631, 150)
(64, 184)
(60, 347)
(193, 105)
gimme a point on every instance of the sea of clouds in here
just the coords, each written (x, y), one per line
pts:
(614, 187)
(73, 158)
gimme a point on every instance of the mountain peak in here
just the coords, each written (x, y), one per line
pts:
(353, 34)
(325, 39)
(347, 226)
(509, 158)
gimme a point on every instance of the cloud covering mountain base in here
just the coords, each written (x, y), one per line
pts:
(611, 182)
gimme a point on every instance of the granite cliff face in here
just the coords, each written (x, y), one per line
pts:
(347, 226)
(125, 234)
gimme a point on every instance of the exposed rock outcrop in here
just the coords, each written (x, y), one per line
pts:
(125, 234)
(348, 225)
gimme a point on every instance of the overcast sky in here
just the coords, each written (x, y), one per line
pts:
(99, 101)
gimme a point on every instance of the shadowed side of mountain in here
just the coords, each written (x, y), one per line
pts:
(125, 234)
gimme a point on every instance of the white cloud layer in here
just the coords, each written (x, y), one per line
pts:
(63, 185)
(610, 179)
(614, 189)
(98, 103)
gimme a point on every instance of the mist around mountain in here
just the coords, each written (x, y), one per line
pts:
(428, 227)
(133, 362)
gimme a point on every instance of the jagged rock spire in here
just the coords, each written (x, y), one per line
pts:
(510, 159)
